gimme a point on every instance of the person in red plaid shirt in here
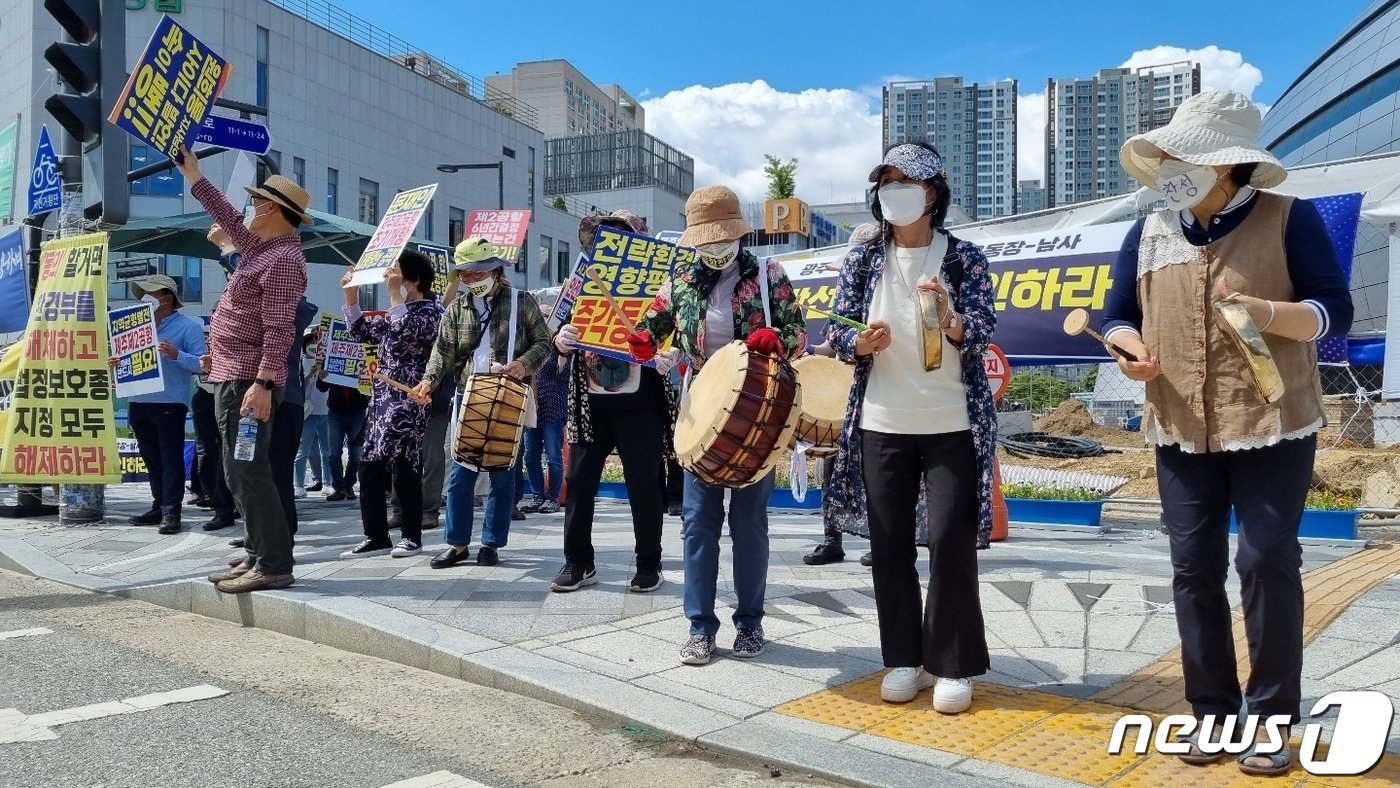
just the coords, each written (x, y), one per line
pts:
(250, 335)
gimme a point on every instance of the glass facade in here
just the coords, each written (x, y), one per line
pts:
(1345, 105)
(617, 160)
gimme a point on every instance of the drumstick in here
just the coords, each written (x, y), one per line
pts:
(385, 379)
(1077, 322)
(845, 321)
(612, 302)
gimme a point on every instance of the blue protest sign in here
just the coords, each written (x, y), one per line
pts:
(234, 134)
(171, 90)
(45, 185)
(14, 287)
(135, 344)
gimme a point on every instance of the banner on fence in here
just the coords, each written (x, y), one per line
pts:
(134, 343)
(60, 427)
(441, 258)
(133, 468)
(392, 234)
(506, 229)
(634, 268)
(171, 89)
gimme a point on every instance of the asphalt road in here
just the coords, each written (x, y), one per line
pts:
(276, 712)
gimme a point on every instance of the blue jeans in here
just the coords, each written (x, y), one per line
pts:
(546, 439)
(461, 484)
(703, 520)
(315, 443)
(345, 428)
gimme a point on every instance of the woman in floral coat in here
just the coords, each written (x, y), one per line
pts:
(917, 447)
(394, 434)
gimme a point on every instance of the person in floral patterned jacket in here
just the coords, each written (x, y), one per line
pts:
(708, 304)
(919, 438)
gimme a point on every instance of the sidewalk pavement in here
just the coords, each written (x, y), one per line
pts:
(1080, 625)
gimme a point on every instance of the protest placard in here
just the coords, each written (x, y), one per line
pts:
(392, 234)
(171, 89)
(635, 268)
(568, 294)
(134, 343)
(60, 427)
(505, 229)
(14, 285)
(347, 361)
(441, 258)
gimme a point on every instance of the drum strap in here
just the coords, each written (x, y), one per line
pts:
(763, 292)
(798, 477)
(514, 318)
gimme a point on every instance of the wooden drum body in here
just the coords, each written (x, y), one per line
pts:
(826, 390)
(740, 410)
(490, 422)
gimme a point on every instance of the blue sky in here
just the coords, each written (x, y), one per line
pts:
(803, 80)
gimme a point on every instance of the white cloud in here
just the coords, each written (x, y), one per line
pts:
(1221, 69)
(1030, 137)
(834, 135)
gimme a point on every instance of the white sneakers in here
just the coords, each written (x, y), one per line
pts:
(950, 696)
(902, 684)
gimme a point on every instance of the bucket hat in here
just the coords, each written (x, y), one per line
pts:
(712, 215)
(1214, 127)
(477, 254)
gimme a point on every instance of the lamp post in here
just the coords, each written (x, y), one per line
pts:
(500, 177)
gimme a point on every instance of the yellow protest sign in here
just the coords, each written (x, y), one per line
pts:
(60, 426)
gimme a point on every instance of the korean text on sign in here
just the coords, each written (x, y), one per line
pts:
(635, 268)
(171, 90)
(442, 267)
(60, 426)
(506, 229)
(392, 234)
(136, 347)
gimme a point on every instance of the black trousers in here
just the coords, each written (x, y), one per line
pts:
(375, 479)
(209, 448)
(637, 436)
(268, 540)
(1268, 488)
(946, 634)
(160, 437)
(287, 421)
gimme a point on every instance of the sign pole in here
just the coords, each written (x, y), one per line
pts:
(78, 504)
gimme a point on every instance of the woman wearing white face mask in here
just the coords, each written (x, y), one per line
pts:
(919, 438)
(1219, 443)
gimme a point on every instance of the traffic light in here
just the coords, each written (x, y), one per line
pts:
(91, 66)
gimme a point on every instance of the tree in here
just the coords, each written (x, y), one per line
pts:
(559, 204)
(782, 178)
(1037, 391)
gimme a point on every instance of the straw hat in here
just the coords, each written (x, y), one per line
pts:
(477, 254)
(621, 220)
(286, 193)
(1214, 127)
(151, 284)
(712, 215)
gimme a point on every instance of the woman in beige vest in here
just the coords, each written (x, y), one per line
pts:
(1220, 442)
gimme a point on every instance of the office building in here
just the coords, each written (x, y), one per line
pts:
(1030, 197)
(1088, 120)
(567, 102)
(973, 125)
(629, 170)
(355, 115)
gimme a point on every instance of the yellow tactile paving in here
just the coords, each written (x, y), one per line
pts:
(997, 713)
(1156, 771)
(855, 706)
(1071, 745)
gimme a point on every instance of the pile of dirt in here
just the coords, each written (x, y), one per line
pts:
(1073, 418)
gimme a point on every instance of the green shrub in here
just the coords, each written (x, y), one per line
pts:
(1321, 499)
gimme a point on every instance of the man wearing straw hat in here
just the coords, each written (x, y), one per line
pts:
(474, 336)
(251, 335)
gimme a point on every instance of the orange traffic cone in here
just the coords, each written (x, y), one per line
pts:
(1000, 520)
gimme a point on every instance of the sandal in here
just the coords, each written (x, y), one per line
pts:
(1280, 762)
(1197, 757)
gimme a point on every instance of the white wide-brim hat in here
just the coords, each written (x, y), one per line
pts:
(1214, 127)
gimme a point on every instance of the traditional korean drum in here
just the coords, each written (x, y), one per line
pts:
(740, 410)
(826, 389)
(490, 420)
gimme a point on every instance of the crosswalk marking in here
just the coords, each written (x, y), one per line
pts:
(442, 779)
(16, 726)
(24, 633)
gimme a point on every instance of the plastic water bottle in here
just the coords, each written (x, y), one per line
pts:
(247, 442)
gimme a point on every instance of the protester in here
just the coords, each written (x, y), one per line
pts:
(1219, 443)
(706, 305)
(315, 430)
(158, 418)
(483, 311)
(394, 438)
(614, 406)
(545, 440)
(436, 449)
(908, 427)
(252, 332)
(209, 448)
(346, 407)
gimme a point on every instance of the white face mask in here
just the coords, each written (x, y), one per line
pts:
(152, 300)
(480, 289)
(1185, 184)
(718, 255)
(902, 204)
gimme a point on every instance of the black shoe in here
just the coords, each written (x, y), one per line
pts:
(151, 517)
(336, 496)
(674, 510)
(516, 514)
(169, 524)
(350, 493)
(219, 521)
(235, 543)
(531, 506)
(866, 560)
(486, 556)
(645, 581)
(201, 501)
(573, 577)
(314, 487)
(826, 553)
(368, 549)
(449, 558)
